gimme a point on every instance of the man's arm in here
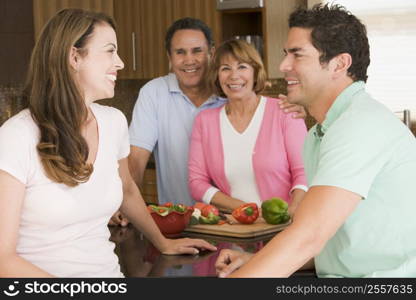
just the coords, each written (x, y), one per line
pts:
(318, 217)
(138, 159)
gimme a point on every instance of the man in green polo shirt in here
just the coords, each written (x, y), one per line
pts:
(357, 219)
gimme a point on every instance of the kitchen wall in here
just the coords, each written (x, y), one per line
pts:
(127, 91)
(125, 96)
(16, 36)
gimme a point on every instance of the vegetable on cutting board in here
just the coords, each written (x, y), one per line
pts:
(274, 211)
(246, 213)
(205, 214)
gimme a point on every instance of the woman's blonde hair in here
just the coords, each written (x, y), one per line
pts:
(242, 52)
(53, 98)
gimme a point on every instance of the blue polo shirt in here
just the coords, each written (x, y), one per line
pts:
(162, 122)
(364, 148)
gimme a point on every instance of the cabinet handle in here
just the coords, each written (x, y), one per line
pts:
(133, 43)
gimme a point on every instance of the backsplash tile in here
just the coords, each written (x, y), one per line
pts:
(125, 96)
(278, 86)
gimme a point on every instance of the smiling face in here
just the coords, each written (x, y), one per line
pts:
(96, 69)
(307, 79)
(236, 78)
(189, 56)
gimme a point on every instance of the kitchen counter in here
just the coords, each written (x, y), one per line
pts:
(139, 258)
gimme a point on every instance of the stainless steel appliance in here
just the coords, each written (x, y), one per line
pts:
(234, 4)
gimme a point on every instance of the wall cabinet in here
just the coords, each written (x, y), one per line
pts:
(268, 22)
(142, 26)
(44, 10)
(149, 187)
(16, 35)
(206, 10)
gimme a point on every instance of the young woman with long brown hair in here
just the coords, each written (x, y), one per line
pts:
(63, 160)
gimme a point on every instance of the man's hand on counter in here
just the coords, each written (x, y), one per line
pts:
(230, 260)
(118, 220)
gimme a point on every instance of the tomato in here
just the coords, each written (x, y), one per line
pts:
(200, 205)
(209, 208)
(168, 204)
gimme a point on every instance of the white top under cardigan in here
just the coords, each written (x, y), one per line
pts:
(238, 162)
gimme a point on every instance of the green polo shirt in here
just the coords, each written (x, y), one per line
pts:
(364, 148)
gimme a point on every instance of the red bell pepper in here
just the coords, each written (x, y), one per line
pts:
(246, 213)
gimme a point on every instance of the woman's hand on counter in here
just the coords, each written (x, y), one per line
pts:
(186, 246)
(230, 260)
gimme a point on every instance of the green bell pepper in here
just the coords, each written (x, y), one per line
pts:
(274, 211)
(211, 219)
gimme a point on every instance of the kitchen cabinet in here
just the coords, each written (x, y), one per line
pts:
(148, 188)
(16, 35)
(268, 22)
(43, 10)
(127, 18)
(142, 25)
(141, 29)
(206, 10)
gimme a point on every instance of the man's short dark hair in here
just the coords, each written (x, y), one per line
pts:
(188, 23)
(334, 31)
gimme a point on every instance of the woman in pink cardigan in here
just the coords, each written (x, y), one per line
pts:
(248, 150)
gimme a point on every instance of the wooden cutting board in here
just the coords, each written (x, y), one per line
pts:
(258, 228)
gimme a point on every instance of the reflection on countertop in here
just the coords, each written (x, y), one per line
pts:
(139, 258)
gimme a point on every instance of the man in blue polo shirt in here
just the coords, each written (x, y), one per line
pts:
(164, 112)
(357, 218)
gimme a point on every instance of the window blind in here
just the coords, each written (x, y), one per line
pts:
(391, 28)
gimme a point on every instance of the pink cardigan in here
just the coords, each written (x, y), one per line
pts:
(277, 156)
